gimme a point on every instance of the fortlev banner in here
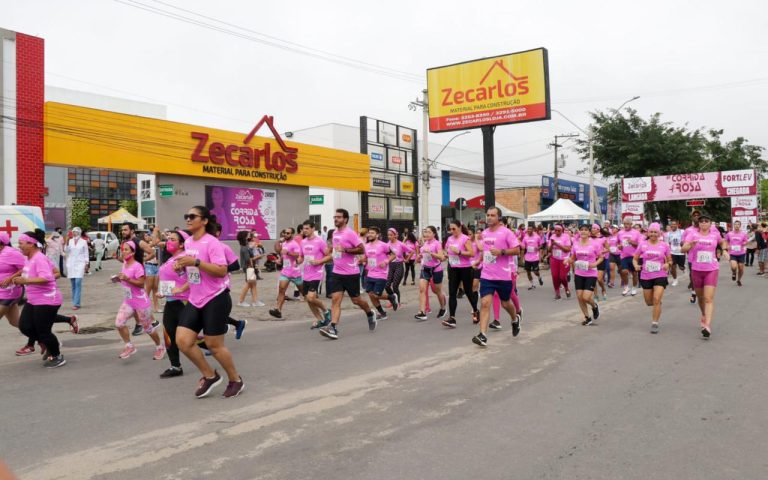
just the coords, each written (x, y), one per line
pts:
(689, 186)
(236, 209)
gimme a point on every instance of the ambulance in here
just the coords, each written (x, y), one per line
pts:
(17, 219)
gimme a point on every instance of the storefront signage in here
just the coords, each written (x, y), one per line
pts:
(165, 190)
(237, 209)
(316, 199)
(381, 182)
(686, 186)
(499, 90)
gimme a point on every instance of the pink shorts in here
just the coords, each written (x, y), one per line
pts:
(704, 279)
(126, 312)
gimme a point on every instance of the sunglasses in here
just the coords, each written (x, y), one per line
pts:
(191, 216)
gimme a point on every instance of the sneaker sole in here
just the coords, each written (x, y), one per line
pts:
(478, 342)
(128, 356)
(155, 357)
(449, 325)
(63, 362)
(515, 330)
(705, 333)
(238, 392)
(329, 335)
(213, 385)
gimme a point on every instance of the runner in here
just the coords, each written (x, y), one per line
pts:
(600, 238)
(151, 266)
(290, 252)
(43, 297)
(674, 238)
(701, 247)
(396, 268)
(460, 249)
(477, 267)
(316, 254)
(657, 261)
(585, 256)
(692, 228)
(11, 265)
(346, 274)
(249, 269)
(233, 265)
(737, 242)
(629, 239)
(135, 302)
(614, 255)
(559, 247)
(378, 257)
(432, 256)
(209, 303)
(175, 289)
(410, 260)
(499, 245)
(531, 246)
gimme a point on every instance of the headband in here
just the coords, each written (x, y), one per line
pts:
(392, 230)
(5, 239)
(654, 227)
(26, 238)
(131, 244)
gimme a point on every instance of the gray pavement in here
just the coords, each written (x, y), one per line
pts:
(410, 400)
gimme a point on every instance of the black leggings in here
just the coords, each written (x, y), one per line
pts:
(394, 276)
(171, 315)
(36, 321)
(461, 276)
(750, 260)
(59, 319)
(410, 265)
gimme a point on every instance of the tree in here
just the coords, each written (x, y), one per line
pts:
(81, 216)
(131, 205)
(631, 146)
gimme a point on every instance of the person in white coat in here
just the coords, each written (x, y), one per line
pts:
(77, 259)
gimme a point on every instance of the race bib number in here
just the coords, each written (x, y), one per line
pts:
(625, 242)
(193, 275)
(426, 258)
(736, 248)
(557, 253)
(613, 249)
(453, 260)
(704, 257)
(531, 249)
(582, 265)
(675, 248)
(489, 258)
(372, 263)
(128, 293)
(166, 287)
(336, 255)
(652, 267)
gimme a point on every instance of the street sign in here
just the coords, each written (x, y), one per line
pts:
(165, 190)
(694, 203)
(316, 199)
(460, 203)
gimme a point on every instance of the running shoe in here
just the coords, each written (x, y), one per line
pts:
(441, 313)
(611, 285)
(371, 321)
(243, 304)
(475, 317)
(234, 389)
(137, 330)
(25, 350)
(494, 325)
(596, 311)
(207, 384)
(53, 362)
(73, 325)
(587, 321)
(516, 325)
(654, 327)
(450, 323)
(421, 316)
(738, 283)
(275, 313)
(129, 350)
(155, 324)
(326, 318)
(674, 282)
(172, 372)
(558, 297)
(240, 328)
(633, 292)
(733, 277)
(381, 316)
(531, 287)
(159, 353)
(693, 297)
(567, 294)
(395, 301)
(705, 331)
(541, 282)
(625, 292)
(330, 332)
(480, 340)
(258, 303)
(605, 297)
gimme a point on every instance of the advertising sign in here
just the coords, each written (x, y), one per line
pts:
(575, 191)
(744, 202)
(511, 88)
(689, 186)
(633, 211)
(239, 209)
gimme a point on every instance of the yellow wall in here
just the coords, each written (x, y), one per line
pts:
(84, 137)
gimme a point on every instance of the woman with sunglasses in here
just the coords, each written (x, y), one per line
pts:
(585, 256)
(209, 303)
(460, 250)
(657, 259)
(175, 289)
(701, 246)
(559, 247)
(432, 256)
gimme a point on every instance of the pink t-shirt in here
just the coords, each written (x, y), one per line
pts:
(457, 260)
(702, 255)
(583, 255)
(410, 248)
(11, 261)
(686, 234)
(377, 259)
(39, 266)
(173, 279)
(498, 268)
(654, 257)
(428, 251)
(345, 263)
(613, 245)
(563, 240)
(737, 242)
(531, 245)
(600, 244)
(135, 297)
(399, 249)
(478, 244)
(290, 262)
(203, 287)
(626, 236)
(313, 249)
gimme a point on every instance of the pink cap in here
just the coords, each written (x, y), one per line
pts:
(5, 239)
(655, 227)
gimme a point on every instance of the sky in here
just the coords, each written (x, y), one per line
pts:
(698, 63)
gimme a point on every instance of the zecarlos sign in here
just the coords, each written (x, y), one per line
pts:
(511, 88)
(689, 186)
(86, 137)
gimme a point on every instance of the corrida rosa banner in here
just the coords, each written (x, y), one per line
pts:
(689, 186)
(240, 208)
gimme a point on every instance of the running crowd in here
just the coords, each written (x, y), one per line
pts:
(191, 271)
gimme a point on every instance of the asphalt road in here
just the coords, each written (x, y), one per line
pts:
(411, 400)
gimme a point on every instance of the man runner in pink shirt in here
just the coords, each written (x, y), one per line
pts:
(316, 255)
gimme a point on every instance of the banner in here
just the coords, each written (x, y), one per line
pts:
(633, 211)
(236, 209)
(744, 202)
(689, 186)
(509, 88)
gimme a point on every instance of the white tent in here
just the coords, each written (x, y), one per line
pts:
(509, 213)
(562, 209)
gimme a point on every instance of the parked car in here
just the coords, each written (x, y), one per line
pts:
(111, 243)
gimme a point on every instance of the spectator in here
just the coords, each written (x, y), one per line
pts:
(77, 258)
(98, 247)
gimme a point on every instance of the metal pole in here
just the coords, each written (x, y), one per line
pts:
(489, 170)
(554, 184)
(591, 178)
(424, 209)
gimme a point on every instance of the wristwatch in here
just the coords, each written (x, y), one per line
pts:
(197, 262)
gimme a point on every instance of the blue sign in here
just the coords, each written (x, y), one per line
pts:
(575, 191)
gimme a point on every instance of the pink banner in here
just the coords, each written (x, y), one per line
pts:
(689, 186)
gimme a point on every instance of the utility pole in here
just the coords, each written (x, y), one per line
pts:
(424, 173)
(556, 145)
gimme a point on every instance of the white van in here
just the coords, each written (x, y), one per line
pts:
(17, 219)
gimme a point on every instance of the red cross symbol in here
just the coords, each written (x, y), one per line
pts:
(8, 228)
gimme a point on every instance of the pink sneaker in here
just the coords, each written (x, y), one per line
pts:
(25, 350)
(129, 350)
(159, 353)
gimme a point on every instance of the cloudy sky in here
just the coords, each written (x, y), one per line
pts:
(224, 64)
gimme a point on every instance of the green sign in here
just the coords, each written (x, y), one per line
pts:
(316, 199)
(166, 190)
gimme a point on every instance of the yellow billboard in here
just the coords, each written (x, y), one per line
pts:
(511, 88)
(85, 137)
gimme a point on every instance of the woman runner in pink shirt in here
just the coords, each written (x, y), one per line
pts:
(174, 288)
(477, 267)
(600, 238)
(459, 248)
(737, 249)
(11, 265)
(657, 259)
(585, 255)
(559, 248)
(531, 247)
(432, 256)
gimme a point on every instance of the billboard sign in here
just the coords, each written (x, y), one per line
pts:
(633, 211)
(511, 88)
(237, 209)
(576, 191)
(689, 186)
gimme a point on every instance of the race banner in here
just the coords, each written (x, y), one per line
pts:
(633, 211)
(689, 186)
(236, 209)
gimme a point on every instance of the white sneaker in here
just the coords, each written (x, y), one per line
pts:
(258, 304)
(625, 291)
(633, 292)
(243, 304)
(674, 282)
